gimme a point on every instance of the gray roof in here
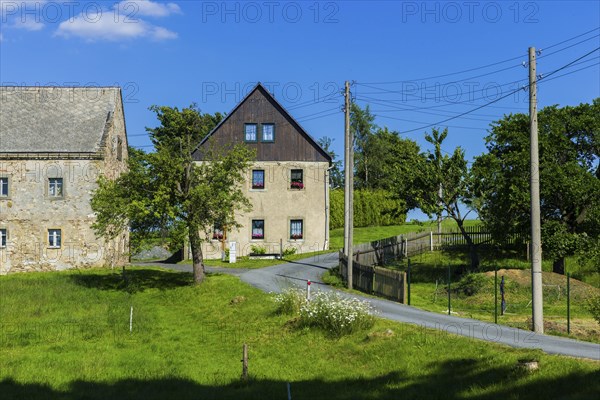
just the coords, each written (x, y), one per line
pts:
(55, 119)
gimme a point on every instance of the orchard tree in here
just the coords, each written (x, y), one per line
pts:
(569, 145)
(451, 173)
(171, 190)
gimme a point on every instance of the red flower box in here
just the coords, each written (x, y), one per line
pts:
(297, 185)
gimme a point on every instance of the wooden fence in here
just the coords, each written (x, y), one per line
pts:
(412, 244)
(375, 280)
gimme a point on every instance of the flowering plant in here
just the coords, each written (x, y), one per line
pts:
(258, 185)
(217, 236)
(297, 185)
(296, 236)
(257, 236)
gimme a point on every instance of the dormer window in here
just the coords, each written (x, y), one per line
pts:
(268, 133)
(250, 131)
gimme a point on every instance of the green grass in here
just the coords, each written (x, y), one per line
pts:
(429, 279)
(66, 336)
(371, 233)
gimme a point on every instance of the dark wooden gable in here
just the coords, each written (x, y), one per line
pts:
(291, 142)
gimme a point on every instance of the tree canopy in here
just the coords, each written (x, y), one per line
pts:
(569, 145)
(168, 190)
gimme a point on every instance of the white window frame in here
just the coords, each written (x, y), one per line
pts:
(4, 183)
(54, 236)
(53, 185)
(3, 238)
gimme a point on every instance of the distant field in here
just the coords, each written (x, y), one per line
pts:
(371, 233)
(65, 335)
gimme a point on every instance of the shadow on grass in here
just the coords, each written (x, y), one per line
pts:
(134, 280)
(453, 379)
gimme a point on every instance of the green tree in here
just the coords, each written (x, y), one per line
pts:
(451, 173)
(569, 145)
(362, 127)
(172, 190)
(336, 176)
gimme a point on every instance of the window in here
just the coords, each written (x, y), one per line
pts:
(258, 179)
(3, 237)
(218, 233)
(3, 187)
(250, 133)
(297, 179)
(268, 132)
(55, 187)
(258, 229)
(54, 238)
(296, 229)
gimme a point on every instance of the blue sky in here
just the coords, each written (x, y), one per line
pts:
(396, 53)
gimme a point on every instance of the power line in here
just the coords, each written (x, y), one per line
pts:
(487, 65)
(502, 97)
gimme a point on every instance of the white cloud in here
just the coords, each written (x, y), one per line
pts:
(121, 23)
(23, 14)
(147, 8)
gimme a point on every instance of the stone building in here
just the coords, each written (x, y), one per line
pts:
(287, 184)
(54, 144)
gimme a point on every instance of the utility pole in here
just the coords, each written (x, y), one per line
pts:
(348, 184)
(537, 310)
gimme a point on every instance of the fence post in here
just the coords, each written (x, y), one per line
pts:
(408, 282)
(449, 301)
(402, 276)
(496, 294)
(568, 303)
(405, 247)
(430, 240)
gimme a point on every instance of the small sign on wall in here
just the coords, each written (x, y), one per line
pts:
(232, 252)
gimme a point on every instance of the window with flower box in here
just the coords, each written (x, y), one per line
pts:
(218, 233)
(258, 229)
(296, 229)
(297, 179)
(258, 179)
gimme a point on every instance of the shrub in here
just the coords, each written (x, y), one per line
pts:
(335, 314)
(289, 251)
(256, 249)
(470, 284)
(371, 208)
(290, 301)
(593, 305)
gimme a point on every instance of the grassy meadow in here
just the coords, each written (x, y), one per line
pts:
(65, 335)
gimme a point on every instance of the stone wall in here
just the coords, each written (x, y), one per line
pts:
(29, 211)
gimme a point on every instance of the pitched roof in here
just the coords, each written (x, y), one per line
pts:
(55, 119)
(260, 87)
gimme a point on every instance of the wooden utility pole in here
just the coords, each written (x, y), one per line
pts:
(537, 312)
(348, 184)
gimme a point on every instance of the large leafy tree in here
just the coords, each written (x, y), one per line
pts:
(168, 189)
(451, 173)
(569, 144)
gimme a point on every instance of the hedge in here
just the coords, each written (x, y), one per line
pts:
(371, 208)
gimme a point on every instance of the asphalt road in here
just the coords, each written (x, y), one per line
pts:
(297, 273)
